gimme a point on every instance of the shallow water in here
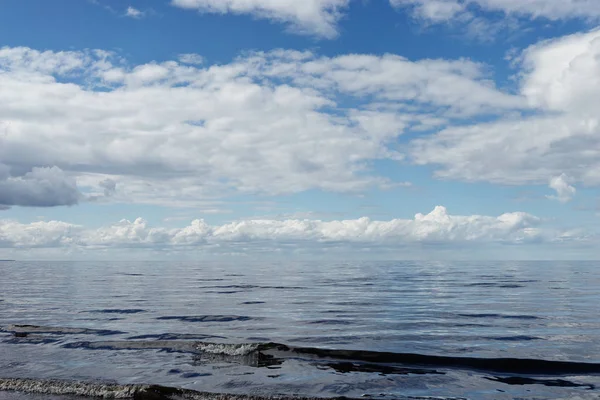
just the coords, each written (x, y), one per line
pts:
(197, 326)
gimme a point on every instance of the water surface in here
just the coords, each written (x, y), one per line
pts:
(407, 328)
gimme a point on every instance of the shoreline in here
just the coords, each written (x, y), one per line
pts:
(55, 387)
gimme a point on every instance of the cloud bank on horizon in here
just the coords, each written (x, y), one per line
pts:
(104, 129)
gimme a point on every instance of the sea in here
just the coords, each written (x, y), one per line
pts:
(370, 330)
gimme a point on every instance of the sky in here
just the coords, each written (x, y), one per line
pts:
(356, 129)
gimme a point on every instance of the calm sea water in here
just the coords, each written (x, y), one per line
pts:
(207, 325)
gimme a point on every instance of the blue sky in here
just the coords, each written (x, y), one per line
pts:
(324, 126)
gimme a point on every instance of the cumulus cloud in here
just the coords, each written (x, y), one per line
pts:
(437, 227)
(314, 17)
(269, 123)
(564, 191)
(41, 187)
(40, 234)
(559, 78)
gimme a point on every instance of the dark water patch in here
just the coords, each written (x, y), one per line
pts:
(176, 336)
(330, 322)
(250, 287)
(207, 318)
(517, 338)
(284, 287)
(174, 371)
(336, 312)
(480, 284)
(225, 291)
(253, 302)
(229, 287)
(503, 316)
(210, 279)
(503, 365)
(119, 311)
(129, 274)
(58, 330)
(188, 375)
(503, 285)
(517, 380)
(25, 338)
(346, 367)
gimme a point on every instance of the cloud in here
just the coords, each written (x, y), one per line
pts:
(267, 123)
(41, 187)
(37, 234)
(564, 191)
(550, 9)
(559, 79)
(313, 17)
(433, 10)
(446, 10)
(191, 58)
(109, 186)
(437, 227)
(479, 19)
(134, 13)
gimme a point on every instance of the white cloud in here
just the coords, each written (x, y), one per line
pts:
(446, 10)
(479, 18)
(437, 227)
(37, 234)
(550, 9)
(134, 13)
(433, 10)
(564, 191)
(191, 58)
(560, 79)
(314, 17)
(269, 123)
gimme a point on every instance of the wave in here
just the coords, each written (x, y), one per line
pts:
(242, 349)
(145, 392)
(503, 365)
(280, 352)
(268, 353)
